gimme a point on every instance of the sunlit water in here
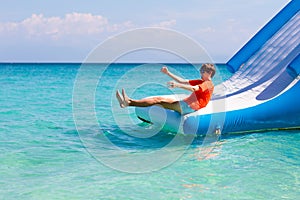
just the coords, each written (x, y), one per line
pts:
(44, 157)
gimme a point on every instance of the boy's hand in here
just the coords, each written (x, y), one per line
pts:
(164, 70)
(172, 84)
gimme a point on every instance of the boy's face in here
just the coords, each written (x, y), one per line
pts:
(205, 74)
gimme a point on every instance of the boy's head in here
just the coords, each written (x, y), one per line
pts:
(208, 67)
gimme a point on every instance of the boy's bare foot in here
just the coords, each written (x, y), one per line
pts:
(120, 99)
(126, 98)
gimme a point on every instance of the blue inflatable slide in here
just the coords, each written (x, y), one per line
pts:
(262, 94)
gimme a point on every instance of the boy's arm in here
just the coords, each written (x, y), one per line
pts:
(191, 88)
(173, 76)
(204, 86)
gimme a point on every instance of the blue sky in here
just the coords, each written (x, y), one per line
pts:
(67, 30)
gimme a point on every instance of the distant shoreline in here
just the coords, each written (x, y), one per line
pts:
(119, 63)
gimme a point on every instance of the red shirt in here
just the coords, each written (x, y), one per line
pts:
(200, 98)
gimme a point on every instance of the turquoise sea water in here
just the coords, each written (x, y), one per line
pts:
(43, 156)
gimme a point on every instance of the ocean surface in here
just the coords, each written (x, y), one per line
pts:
(46, 154)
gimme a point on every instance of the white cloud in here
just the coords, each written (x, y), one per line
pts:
(165, 24)
(72, 24)
(206, 30)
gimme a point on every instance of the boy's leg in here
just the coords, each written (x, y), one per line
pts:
(167, 103)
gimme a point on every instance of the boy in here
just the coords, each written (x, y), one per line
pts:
(201, 89)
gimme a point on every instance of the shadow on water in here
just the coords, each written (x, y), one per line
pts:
(112, 136)
(127, 138)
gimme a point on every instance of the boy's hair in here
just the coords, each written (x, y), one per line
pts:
(210, 68)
